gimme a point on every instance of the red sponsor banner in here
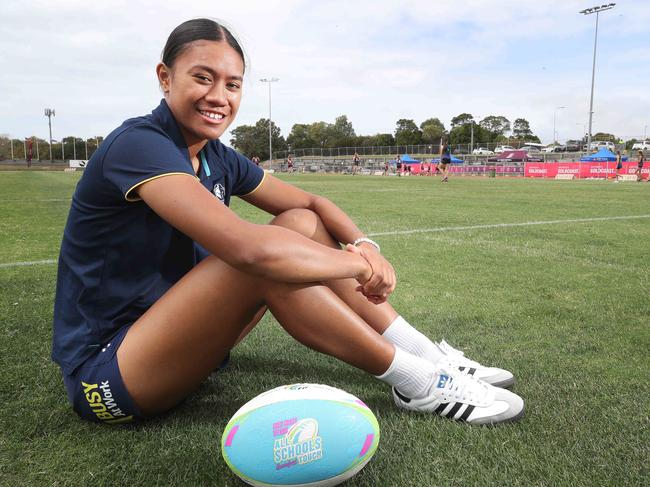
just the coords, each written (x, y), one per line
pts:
(581, 170)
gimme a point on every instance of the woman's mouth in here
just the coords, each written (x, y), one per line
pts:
(213, 117)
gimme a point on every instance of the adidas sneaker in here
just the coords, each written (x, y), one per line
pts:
(492, 375)
(464, 398)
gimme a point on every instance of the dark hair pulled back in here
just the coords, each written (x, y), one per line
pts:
(196, 30)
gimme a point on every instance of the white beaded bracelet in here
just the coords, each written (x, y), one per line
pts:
(366, 240)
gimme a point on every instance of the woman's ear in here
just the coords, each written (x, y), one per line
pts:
(164, 77)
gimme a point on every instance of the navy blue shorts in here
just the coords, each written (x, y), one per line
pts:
(96, 390)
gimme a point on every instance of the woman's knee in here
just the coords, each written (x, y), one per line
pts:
(301, 220)
(305, 222)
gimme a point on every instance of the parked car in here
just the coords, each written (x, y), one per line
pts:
(530, 148)
(502, 148)
(550, 148)
(514, 156)
(601, 143)
(644, 145)
(559, 148)
(482, 151)
(573, 145)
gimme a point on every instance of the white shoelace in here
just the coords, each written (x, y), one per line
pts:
(462, 388)
(456, 356)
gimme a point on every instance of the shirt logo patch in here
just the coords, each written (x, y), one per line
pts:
(219, 191)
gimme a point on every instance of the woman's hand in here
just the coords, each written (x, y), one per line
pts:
(383, 279)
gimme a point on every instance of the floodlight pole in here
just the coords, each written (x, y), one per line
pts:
(554, 116)
(269, 81)
(49, 113)
(597, 11)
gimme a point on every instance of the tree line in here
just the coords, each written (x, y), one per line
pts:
(68, 148)
(254, 139)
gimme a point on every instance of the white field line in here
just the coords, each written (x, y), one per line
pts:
(27, 264)
(506, 225)
(419, 230)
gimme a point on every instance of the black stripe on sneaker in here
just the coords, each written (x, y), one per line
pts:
(471, 371)
(466, 413)
(441, 408)
(452, 412)
(401, 396)
(461, 368)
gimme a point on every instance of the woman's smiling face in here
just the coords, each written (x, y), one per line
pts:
(203, 88)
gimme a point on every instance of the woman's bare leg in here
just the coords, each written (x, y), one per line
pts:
(179, 341)
(308, 223)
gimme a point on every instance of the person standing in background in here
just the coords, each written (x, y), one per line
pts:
(356, 162)
(639, 168)
(619, 165)
(445, 158)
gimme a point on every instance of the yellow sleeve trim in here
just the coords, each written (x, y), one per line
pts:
(132, 199)
(256, 187)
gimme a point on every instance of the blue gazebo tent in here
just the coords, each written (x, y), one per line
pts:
(454, 160)
(603, 155)
(406, 159)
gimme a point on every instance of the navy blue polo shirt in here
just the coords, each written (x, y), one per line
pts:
(118, 256)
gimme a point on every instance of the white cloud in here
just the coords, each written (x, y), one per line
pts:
(375, 61)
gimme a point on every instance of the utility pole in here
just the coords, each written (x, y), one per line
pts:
(49, 113)
(269, 81)
(588, 11)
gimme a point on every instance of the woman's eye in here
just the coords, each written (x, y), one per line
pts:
(234, 86)
(203, 78)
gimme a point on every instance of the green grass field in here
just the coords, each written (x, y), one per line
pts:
(563, 305)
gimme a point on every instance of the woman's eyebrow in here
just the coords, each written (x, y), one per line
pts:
(213, 72)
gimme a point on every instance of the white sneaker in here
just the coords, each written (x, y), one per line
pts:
(492, 375)
(465, 398)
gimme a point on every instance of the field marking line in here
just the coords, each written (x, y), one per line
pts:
(419, 230)
(507, 225)
(27, 264)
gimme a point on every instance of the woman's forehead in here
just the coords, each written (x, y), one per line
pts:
(212, 54)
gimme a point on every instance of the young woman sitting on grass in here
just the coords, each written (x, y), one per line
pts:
(158, 279)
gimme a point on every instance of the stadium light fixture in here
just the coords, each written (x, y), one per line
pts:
(588, 11)
(269, 81)
(554, 117)
(49, 113)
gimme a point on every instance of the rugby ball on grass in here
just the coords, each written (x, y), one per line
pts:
(300, 435)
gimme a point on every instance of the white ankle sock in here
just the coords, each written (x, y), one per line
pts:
(410, 375)
(404, 336)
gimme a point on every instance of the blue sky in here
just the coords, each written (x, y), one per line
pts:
(375, 61)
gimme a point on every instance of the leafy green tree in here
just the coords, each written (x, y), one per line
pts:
(604, 136)
(253, 140)
(407, 132)
(321, 133)
(462, 119)
(342, 133)
(432, 130)
(383, 140)
(299, 137)
(521, 129)
(495, 124)
(462, 134)
(630, 143)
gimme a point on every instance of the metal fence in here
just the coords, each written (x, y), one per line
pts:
(376, 163)
(392, 150)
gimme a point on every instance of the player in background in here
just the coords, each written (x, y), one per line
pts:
(255, 160)
(445, 158)
(158, 279)
(639, 167)
(289, 164)
(619, 165)
(356, 162)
